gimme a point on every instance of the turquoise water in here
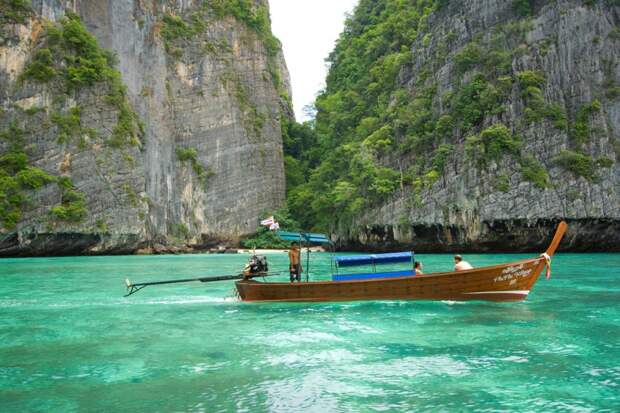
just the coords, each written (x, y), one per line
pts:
(70, 342)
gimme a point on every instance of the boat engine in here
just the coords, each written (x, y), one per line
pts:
(256, 265)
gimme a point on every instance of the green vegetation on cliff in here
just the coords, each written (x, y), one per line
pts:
(17, 176)
(581, 164)
(70, 126)
(534, 172)
(357, 121)
(179, 32)
(191, 155)
(493, 143)
(405, 101)
(70, 54)
(72, 207)
(581, 131)
(14, 11)
(18, 179)
(67, 58)
(256, 17)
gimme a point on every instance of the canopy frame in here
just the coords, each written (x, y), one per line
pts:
(309, 238)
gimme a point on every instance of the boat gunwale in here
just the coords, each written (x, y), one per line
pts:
(430, 275)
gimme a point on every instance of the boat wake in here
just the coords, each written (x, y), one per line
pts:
(452, 302)
(175, 300)
(186, 300)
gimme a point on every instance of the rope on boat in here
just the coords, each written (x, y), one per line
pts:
(547, 259)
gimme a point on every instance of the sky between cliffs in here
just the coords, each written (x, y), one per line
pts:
(308, 31)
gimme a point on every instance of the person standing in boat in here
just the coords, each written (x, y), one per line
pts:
(460, 264)
(294, 262)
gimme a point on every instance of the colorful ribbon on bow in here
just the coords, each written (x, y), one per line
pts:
(547, 263)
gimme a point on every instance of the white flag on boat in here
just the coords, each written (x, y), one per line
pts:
(268, 222)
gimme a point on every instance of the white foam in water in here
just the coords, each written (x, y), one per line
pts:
(285, 339)
(201, 368)
(332, 357)
(516, 359)
(190, 300)
(171, 300)
(314, 391)
(487, 361)
(564, 349)
(16, 303)
(395, 371)
(346, 325)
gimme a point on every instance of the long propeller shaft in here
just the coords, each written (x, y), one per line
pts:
(135, 287)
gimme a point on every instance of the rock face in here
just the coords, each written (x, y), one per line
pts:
(187, 153)
(575, 48)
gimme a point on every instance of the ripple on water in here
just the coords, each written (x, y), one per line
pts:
(172, 300)
(492, 362)
(8, 303)
(188, 300)
(314, 391)
(561, 406)
(123, 370)
(313, 359)
(71, 342)
(290, 338)
(345, 324)
(609, 377)
(561, 349)
(402, 369)
(200, 368)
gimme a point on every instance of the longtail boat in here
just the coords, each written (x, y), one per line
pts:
(505, 282)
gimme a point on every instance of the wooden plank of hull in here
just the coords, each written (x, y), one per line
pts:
(508, 282)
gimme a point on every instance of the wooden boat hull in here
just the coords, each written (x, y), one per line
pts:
(510, 282)
(506, 282)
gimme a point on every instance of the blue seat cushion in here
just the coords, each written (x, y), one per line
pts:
(371, 275)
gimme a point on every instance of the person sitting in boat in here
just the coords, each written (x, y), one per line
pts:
(460, 264)
(417, 267)
(294, 262)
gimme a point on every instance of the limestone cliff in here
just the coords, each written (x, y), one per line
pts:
(173, 139)
(504, 118)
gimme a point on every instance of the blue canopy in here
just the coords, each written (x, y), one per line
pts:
(388, 258)
(304, 237)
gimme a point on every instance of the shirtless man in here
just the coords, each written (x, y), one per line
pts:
(417, 266)
(294, 262)
(460, 265)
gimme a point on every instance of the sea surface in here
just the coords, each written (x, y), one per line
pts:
(70, 342)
